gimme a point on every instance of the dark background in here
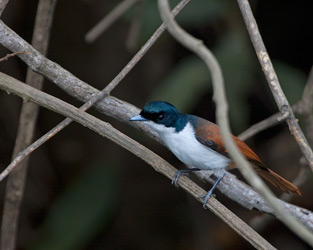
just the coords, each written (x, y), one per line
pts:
(84, 192)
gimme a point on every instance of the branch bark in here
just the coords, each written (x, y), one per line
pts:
(271, 77)
(11, 85)
(108, 20)
(3, 4)
(199, 49)
(28, 118)
(122, 111)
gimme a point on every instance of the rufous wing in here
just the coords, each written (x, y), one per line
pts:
(208, 134)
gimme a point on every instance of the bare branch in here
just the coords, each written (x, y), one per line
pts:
(106, 130)
(272, 80)
(11, 55)
(262, 125)
(94, 98)
(134, 30)
(260, 222)
(219, 96)
(230, 186)
(108, 20)
(122, 111)
(302, 107)
(28, 117)
(3, 4)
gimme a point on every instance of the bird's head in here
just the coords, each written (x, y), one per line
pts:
(158, 115)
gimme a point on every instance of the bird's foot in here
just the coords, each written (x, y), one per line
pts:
(210, 192)
(181, 172)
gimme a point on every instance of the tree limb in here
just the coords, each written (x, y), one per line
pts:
(3, 4)
(27, 122)
(122, 111)
(271, 77)
(198, 48)
(108, 20)
(11, 85)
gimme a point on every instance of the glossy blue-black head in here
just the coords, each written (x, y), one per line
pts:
(158, 112)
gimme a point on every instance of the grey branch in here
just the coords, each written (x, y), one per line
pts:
(11, 85)
(199, 49)
(27, 122)
(3, 4)
(122, 111)
(273, 82)
(108, 20)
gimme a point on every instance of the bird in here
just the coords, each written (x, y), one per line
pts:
(198, 144)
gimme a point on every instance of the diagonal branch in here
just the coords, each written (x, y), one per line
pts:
(28, 118)
(108, 20)
(94, 97)
(122, 111)
(3, 4)
(106, 130)
(271, 77)
(199, 49)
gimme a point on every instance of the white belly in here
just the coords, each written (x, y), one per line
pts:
(190, 151)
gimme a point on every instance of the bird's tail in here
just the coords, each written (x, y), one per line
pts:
(277, 180)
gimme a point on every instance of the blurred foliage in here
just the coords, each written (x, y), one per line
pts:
(88, 204)
(207, 11)
(190, 78)
(81, 211)
(291, 80)
(184, 84)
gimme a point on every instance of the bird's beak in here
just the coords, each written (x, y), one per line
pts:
(138, 118)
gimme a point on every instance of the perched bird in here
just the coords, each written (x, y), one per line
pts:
(198, 143)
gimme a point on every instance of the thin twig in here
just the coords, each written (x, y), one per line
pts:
(94, 98)
(122, 111)
(106, 130)
(260, 222)
(3, 4)
(108, 20)
(272, 80)
(283, 106)
(28, 117)
(230, 186)
(134, 30)
(304, 107)
(11, 55)
(197, 47)
(262, 125)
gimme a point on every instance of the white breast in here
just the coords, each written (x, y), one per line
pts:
(188, 149)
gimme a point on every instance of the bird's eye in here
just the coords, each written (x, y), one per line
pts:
(161, 117)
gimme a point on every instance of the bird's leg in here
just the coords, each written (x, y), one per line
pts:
(182, 172)
(210, 192)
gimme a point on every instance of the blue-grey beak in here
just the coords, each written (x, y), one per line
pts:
(138, 118)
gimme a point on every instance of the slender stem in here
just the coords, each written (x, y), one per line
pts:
(197, 47)
(3, 4)
(27, 123)
(272, 80)
(106, 130)
(108, 20)
(11, 55)
(94, 99)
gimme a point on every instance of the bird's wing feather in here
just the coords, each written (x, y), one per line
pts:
(208, 134)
